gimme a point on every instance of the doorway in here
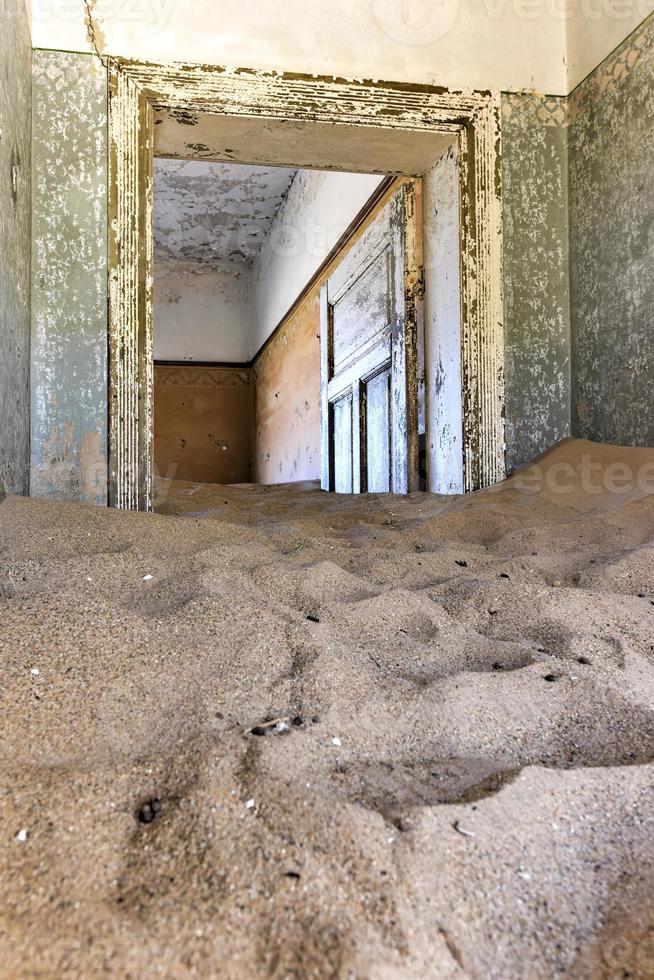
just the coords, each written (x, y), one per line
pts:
(367, 127)
(238, 398)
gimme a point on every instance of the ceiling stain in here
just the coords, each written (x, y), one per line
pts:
(210, 213)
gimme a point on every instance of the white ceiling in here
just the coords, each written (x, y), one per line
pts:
(210, 213)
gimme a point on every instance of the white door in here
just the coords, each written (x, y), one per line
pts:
(369, 354)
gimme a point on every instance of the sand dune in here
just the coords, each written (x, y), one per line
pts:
(270, 732)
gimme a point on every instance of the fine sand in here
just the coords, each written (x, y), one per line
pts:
(270, 732)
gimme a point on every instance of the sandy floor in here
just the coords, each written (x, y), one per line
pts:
(459, 781)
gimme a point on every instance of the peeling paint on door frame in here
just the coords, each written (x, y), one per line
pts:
(136, 89)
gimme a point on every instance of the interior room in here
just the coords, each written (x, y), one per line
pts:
(338, 228)
(327, 489)
(241, 253)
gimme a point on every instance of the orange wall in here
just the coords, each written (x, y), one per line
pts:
(287, 399)
(202, 423)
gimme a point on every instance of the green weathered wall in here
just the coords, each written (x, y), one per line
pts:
(579, 257)
(612, 246)
(15, 191)
(536, 287)
(69, 278)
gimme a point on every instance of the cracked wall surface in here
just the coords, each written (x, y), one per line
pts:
(536, 287)
(69, 278)
(15, 236)
(612, 246)
(461, 43)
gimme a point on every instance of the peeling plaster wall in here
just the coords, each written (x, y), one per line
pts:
(542, 45)
(318, 209)
(69, 278)
(612, 246)
(213, 212)
(536, 283)
(15, 230)
(202, 313)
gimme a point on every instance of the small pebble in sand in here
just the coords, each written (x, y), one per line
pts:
(35, 671)
(148, 578)
(337, 742)
(21, 836)
(250, 805)
(149, 811)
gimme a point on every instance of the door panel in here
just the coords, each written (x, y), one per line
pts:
(342, 414)
(378, 433)
(362, 314)
(368, 343)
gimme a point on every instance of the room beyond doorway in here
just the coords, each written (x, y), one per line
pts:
(241, 254)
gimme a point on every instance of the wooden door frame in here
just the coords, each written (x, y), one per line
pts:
(136, 89)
